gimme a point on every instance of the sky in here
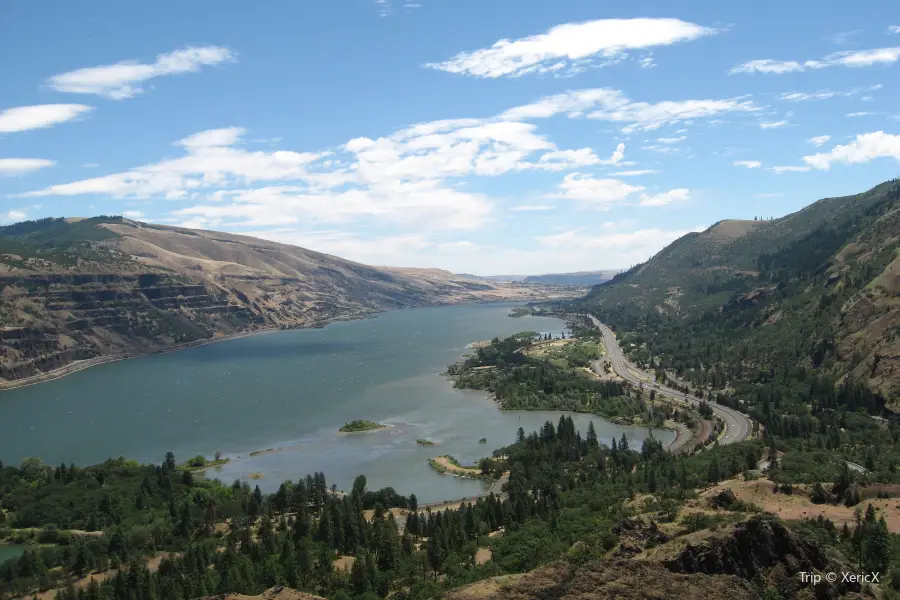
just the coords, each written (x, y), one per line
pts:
(478, 136)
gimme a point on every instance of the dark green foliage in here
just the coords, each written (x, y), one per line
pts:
(522, 382)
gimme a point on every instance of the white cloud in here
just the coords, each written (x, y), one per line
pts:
(773, 124)
(790, 169)
(861, 113)
(602, 194)
(409, 177)
(212, 138)
(571, 47)
(849, 58)
(613, 105)
(533, 207)
(671, 140)
(634, 173)
(664, 198)
(750, 164)
(19, 166)
(13, 216)
(866, 147)
(893, 29)
(124, 79)
(802, 96)
(23, 118)
(133, 214)
(819, 140)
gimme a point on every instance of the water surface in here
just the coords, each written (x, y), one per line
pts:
(291, 390)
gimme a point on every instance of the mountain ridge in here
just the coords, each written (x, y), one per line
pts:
(817, 288)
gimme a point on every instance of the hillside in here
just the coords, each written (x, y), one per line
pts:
(815, 290)
(84, 289)
(580, 278)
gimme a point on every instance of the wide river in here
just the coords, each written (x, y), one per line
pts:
(289, 392)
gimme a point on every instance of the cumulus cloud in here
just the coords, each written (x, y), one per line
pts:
(124, 79)
(849, 58)
(750, 164)
(605, 193)
(410, 177)
(13, 216)
(20, 166)
(866, 147)
(677, 195)
(601, 193)
(24, 118)
(819, 140)
(572, 47)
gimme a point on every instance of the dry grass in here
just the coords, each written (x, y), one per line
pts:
(483, 555)
(796, 506)
(344, 563)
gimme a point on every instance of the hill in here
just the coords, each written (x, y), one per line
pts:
(74, 290)
(746, 303)
(494, 277)
(580, 278)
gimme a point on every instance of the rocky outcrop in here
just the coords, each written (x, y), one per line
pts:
(607, 580)
(762, 547)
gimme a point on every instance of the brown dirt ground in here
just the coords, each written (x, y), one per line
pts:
(483, 555)
(453, 469)
(797, 506)
(344, 563)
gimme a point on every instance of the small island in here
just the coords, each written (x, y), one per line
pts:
(423, 442)
(361, 425)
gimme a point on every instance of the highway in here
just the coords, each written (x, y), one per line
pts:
(738, 425)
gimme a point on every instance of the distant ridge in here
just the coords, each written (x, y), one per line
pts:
(579, 278)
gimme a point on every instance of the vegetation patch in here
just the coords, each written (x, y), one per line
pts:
(424, 442)
(361, 425)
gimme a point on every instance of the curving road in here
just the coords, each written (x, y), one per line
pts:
(738, 425)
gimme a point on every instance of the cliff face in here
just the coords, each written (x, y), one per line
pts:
(75, 290)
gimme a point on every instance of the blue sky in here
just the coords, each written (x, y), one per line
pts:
(486, 136)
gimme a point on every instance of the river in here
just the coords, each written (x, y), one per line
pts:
(290, 391)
